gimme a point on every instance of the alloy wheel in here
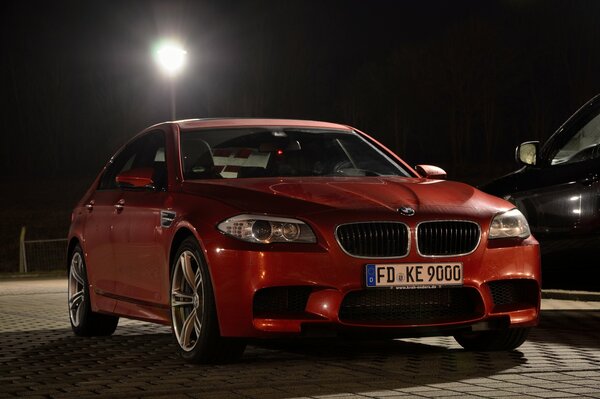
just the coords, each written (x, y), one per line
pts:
(187, 300)
(76, 289)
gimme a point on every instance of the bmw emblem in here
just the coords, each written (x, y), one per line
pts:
(406, 211)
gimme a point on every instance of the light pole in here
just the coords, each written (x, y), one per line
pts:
(171, 58)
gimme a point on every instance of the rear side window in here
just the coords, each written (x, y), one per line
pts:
(147, 151)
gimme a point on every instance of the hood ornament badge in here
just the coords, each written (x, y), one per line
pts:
(406, 211)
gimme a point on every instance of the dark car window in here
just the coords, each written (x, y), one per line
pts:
(147, 151)
(582, 146)
(260, 152)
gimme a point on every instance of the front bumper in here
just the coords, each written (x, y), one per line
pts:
(282, 291)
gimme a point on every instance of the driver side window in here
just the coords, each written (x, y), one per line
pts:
(582, 146)
(147, 151)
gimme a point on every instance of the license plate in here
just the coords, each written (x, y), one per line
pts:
(414, 275)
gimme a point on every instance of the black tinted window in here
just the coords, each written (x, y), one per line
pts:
(147, 151)
(582, 146)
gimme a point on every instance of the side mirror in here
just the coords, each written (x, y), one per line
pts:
(136, 178)
(526, 153)
(431, 172)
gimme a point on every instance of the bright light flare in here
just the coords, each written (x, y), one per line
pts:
(171, 57)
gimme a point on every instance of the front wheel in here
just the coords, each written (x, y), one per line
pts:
(499, 340)
(84, 321)
(193, 311)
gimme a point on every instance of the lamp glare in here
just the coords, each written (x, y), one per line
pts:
(171, 58)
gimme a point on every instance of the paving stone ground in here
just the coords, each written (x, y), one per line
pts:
(40, 358)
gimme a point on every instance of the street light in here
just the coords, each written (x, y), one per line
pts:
(171, 58)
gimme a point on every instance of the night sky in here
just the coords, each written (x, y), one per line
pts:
(453, 83)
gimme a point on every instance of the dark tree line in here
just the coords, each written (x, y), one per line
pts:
(457, 84)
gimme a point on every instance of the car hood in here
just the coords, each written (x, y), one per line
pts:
(509, 183)
(303, 196)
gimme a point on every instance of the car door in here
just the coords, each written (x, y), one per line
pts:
(139, 256)
(560, 198)
(99, 226)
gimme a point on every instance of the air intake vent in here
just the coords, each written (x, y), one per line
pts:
(374, 239)
(167, 218)
(276, 302)
(513, 292)
(447, 238)
(411, 306)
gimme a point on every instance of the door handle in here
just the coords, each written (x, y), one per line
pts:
(120, 205)
(90, 205)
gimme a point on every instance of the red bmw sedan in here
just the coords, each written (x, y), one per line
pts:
(229, 229)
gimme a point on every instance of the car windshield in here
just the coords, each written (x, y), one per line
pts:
(262, 152)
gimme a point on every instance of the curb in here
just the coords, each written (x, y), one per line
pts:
(33, 276)
(571, 295)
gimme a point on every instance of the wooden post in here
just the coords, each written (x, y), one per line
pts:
(22, 255)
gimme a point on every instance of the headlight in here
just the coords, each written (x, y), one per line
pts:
(510, 224)
(266, 229)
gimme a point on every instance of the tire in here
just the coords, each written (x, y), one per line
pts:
(193, 312)
(85, 322)
(499, 340)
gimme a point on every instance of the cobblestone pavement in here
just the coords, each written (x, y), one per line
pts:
(39, 357)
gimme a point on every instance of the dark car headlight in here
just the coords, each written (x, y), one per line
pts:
(510, 224)
(267, 229)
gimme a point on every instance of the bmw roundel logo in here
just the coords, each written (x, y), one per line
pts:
(406, 211)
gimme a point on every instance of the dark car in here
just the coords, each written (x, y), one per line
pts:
(558, 191)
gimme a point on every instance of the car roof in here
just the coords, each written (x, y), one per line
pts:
(190, 124)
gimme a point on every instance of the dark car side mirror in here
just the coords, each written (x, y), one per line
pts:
(136, 178)
(526, 153)
(431, 172)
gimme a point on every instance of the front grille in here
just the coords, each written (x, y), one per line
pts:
(411, 306)
(280, 301)
(512, 292)
(447, 238)
(374, 239)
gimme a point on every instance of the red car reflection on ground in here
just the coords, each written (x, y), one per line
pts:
(228, 229)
